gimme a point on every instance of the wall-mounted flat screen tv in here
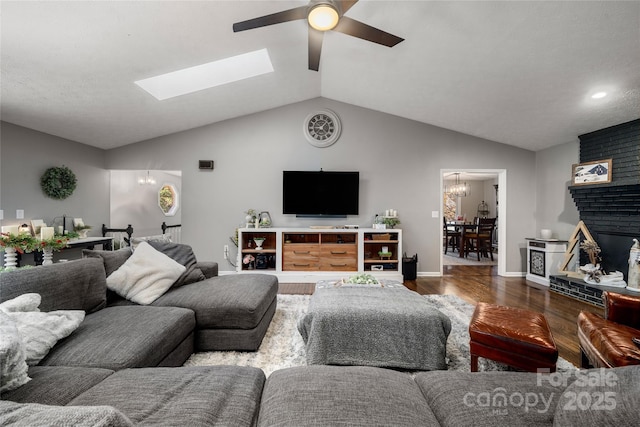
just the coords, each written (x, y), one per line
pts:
(317, 194)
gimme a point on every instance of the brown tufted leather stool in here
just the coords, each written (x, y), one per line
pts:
(513, 336)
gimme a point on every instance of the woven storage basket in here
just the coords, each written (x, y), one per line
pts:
(385, 236)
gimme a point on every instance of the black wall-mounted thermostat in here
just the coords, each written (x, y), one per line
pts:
(205, 164)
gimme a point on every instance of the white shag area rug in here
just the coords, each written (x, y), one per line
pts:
(282, 346)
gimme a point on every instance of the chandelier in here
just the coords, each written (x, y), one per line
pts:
(458, 189)
(146, 180)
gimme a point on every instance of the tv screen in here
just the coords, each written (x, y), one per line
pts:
(306, 193)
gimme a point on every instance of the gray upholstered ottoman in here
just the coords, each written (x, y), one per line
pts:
(343, 395)
(232, 312)
(374, 326)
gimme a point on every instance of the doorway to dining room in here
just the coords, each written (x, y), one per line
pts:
(466, 195)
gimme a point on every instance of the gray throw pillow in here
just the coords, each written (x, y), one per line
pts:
(112, 259)
(184, 255)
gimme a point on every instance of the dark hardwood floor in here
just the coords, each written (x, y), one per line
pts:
(480, 283)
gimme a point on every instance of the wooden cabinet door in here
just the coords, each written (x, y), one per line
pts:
(301, 257)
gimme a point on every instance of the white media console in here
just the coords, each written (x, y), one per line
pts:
(302, 255)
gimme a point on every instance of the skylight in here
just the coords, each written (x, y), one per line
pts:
(208, 75)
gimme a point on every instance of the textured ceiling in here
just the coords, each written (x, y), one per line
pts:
(520, 73)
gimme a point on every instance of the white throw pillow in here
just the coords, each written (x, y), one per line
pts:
(13, 366)
(145, 276)
(25, 302)
(40, 331)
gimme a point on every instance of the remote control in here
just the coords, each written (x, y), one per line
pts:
(636, 341)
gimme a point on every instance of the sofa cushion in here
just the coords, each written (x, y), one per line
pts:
(13, 365)
(124, 337)
(234, 301)
(56, 385)
(490, 398)
(145, 276)
(73, 285)
(323, 395)
(183, 254)
(601, 397)
(32, 414)
(112, 260)
(194, 396)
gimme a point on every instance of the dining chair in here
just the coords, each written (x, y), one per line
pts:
(451, 236)
(481, 238)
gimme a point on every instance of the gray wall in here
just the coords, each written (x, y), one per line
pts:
(26, 154)
(137, 205)
(555, 209)
(399, 160)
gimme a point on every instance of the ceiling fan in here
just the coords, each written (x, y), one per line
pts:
(322, 15)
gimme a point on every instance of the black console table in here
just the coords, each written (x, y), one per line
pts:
(86, 243)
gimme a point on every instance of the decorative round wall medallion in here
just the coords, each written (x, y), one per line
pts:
(322, 128)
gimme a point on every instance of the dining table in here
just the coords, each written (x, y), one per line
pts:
(463, 227)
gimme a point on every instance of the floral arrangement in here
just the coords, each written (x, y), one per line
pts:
(251, 215)
(362, 279)
(22, 243)
(55, 243)
(248, 259)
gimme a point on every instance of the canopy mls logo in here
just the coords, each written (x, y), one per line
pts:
(593, 390)
(498, 400)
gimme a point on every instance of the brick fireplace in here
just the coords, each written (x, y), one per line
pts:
(612, 211)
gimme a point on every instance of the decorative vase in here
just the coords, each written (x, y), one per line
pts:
(258, 242)
(10, 258)
(47, 256)
(82, 234)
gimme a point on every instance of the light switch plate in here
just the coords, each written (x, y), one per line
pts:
(435, 214)
(19, 213)
(1, 214)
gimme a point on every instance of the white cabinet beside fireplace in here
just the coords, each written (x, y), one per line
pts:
(544, 258)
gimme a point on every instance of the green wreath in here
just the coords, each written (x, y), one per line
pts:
(58, 182)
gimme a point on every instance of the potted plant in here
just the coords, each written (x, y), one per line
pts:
(13, 244)
(251, 217)
(391, 222)
(82, 230)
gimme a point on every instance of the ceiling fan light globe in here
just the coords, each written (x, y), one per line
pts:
(323, 17)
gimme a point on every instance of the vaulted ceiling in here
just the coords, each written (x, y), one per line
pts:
(519, 73)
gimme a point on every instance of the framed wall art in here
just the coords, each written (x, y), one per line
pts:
(598, 172)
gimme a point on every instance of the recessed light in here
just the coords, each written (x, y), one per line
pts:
(599, 95)
(208, 75)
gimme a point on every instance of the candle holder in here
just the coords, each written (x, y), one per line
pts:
(47, 256)
(10, 258)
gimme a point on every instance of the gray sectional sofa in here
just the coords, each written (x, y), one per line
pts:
(121, 367)
(120, 354)
(366, 396)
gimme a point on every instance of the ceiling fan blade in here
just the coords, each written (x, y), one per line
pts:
(366, 32)
(274, 18)
(315, 47)
(346, 5)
